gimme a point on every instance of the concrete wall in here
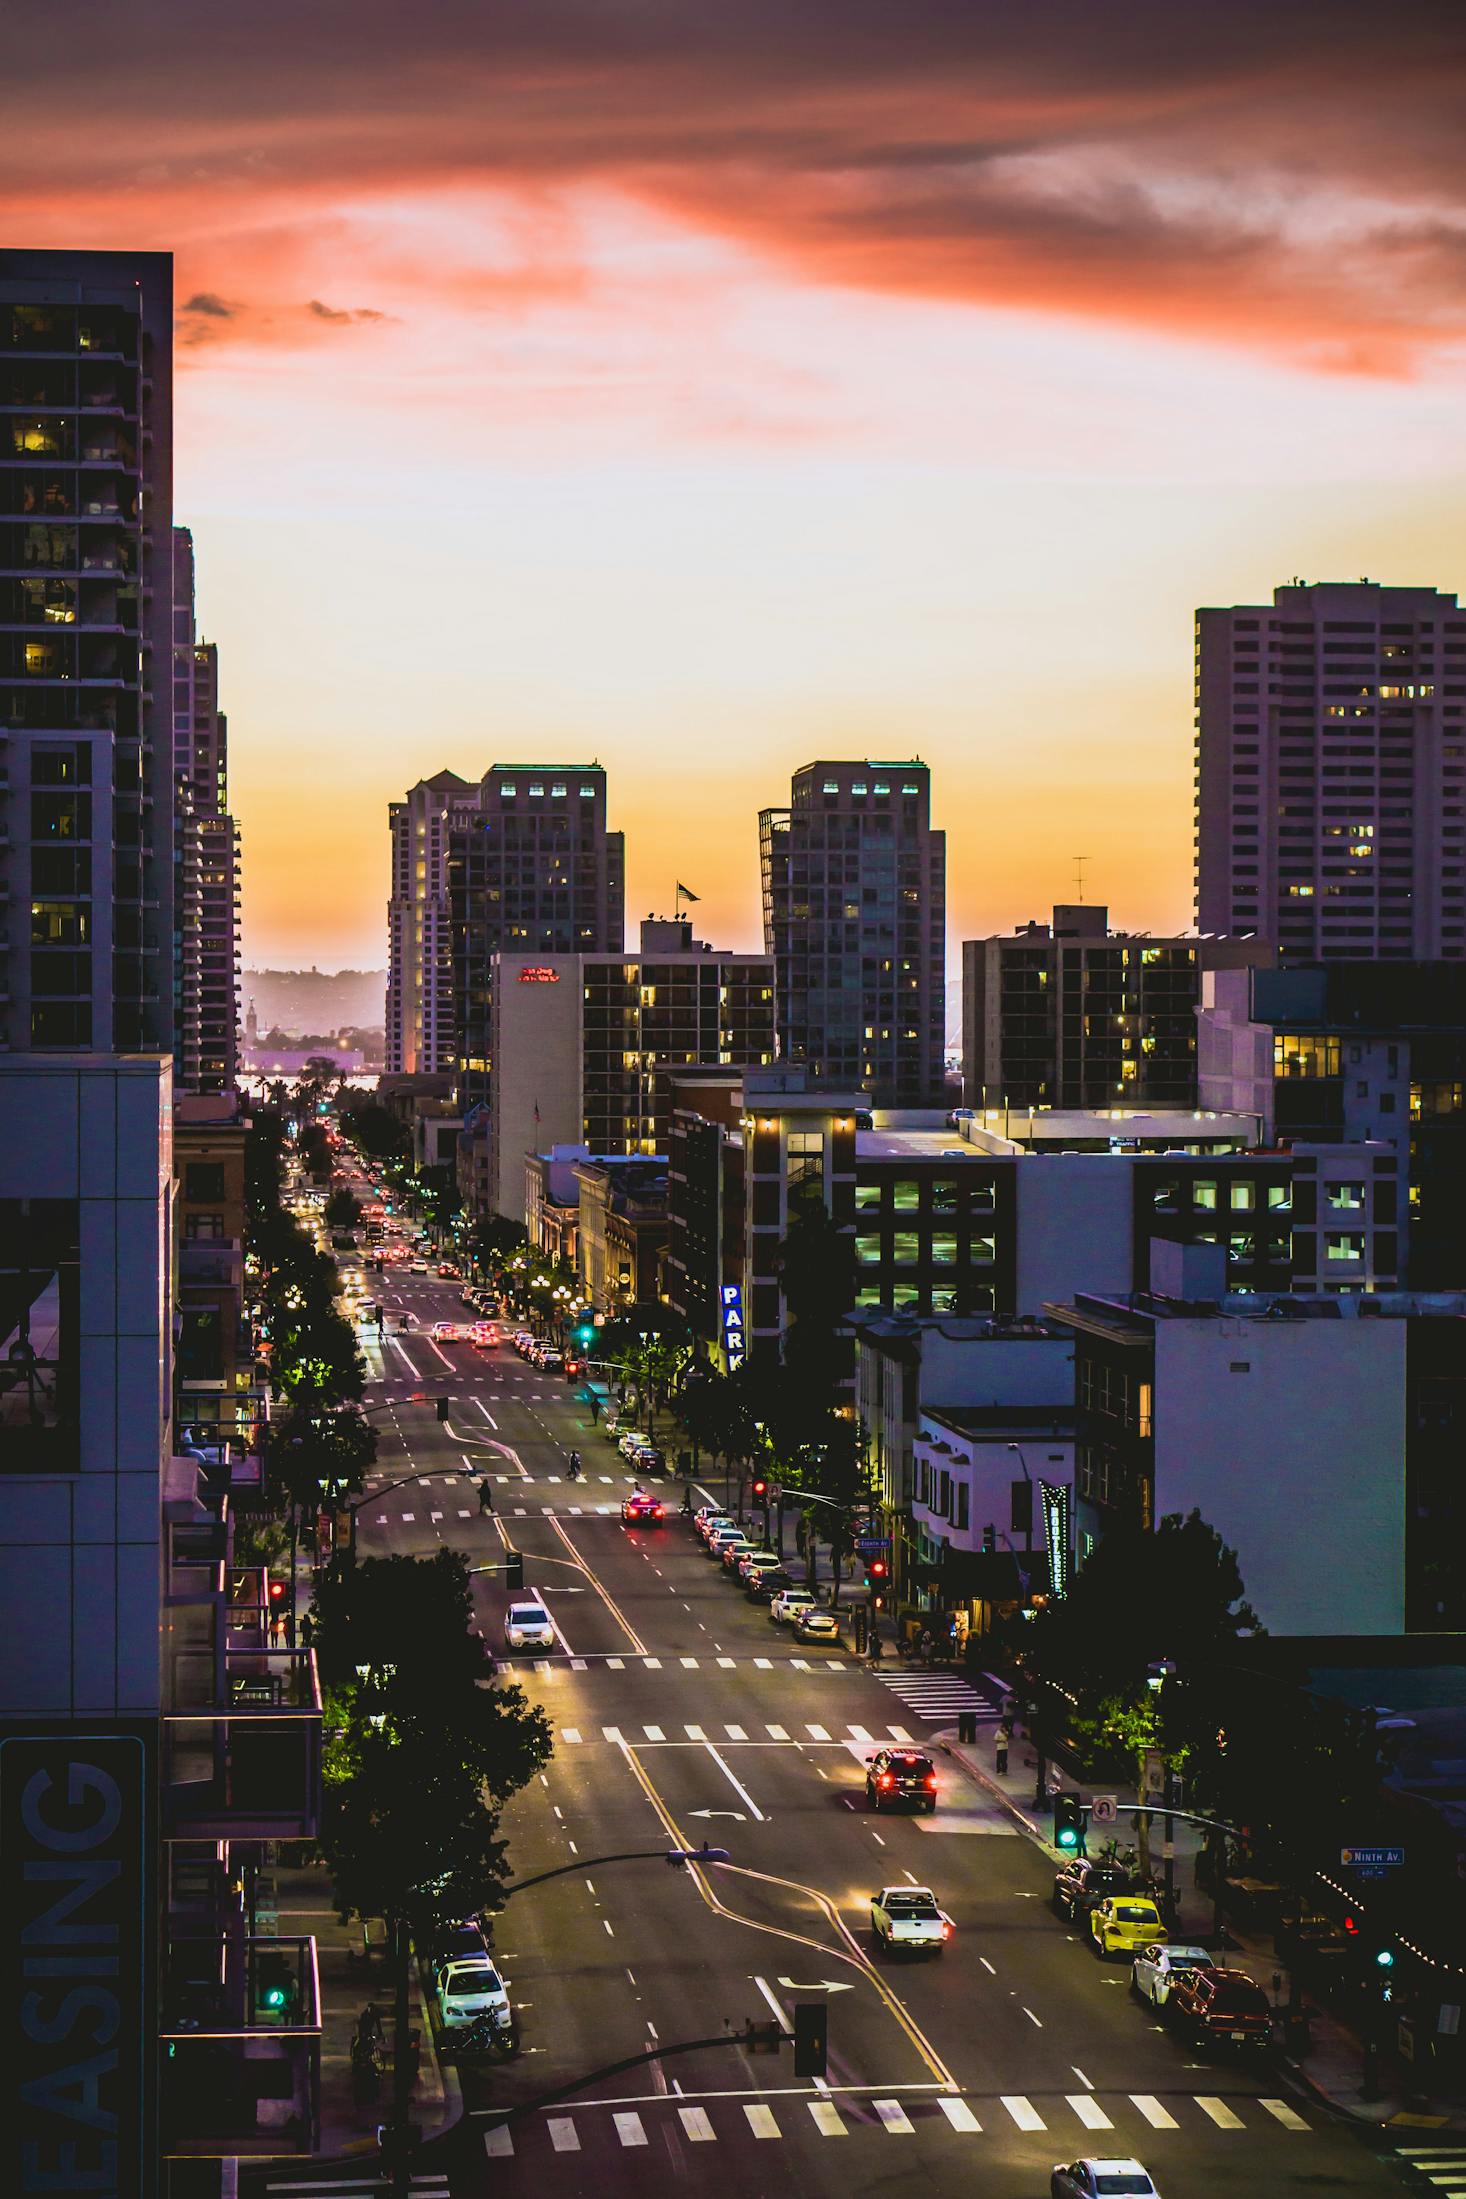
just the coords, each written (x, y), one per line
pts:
(1075, 1227)
(80, 1555)
(1290, 1437)
(537, 1065)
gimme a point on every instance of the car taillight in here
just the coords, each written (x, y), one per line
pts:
(656, 1511)
(886, 1780)
(946, 1931)
(931, 1780)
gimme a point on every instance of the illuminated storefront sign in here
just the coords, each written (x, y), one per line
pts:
(536, 974)
(1053, 1497)
(732, 1296)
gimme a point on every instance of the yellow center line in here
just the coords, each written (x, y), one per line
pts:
(855, 1957)
(607, 1599)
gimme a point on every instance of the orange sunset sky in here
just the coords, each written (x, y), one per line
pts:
(704, 388)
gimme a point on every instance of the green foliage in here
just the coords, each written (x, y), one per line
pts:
(423, 1753)
(317, 1456)
(372, 1128)
(342, 1210)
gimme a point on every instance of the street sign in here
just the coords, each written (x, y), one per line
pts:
(873, 1546)
(1103, 1809)
(1153, 1777)
(1372, 1859)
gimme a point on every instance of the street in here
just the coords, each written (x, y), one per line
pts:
(681, 1714)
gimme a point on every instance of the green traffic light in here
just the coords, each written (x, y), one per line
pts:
(1385, 1958)
(1066, 1837)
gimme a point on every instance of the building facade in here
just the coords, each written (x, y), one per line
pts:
(854, 907)
(621, 1231)
(207, 853)
(532, 869)
(1331, 772)
(585, 1046)
(419, 1010)
(86, 607)
(1071, 1015)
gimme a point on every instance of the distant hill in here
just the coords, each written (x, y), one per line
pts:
(315, 1000)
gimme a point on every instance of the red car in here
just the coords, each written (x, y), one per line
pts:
(641, 1507)
(1220, 2007)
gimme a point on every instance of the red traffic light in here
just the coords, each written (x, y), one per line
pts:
(277, 1590)
(877, 1569)
(760, 1487)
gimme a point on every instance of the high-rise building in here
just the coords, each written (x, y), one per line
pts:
(86, 608)
(1073, 1015)
(419, 938)
(854, 902)
(1331, 772)
(531, 870)
(585, 1046)
(206, 973)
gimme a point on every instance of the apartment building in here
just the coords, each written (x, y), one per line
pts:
(419, 1008)
(207, 859)
(1331, 772)
(854, 907)
(532, 869)
(1069, 1014)
(86, 609)
(584, 1046)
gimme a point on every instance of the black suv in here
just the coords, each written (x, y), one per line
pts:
(1081, 1884)
(895, 1776)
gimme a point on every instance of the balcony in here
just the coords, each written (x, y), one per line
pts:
(241, 2045)
(249, 1766)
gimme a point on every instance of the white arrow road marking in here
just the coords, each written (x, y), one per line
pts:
(736, 1814)
(816, 1985)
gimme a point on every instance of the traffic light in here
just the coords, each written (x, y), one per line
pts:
(273, 1982)
(990, 1537)
(277, 1592)
(585, 1334)
(443, 1404)
(760, 1488)
(811, 2037)
(1384, 1960)
(877, 1572)
(1068, 1823)
(514, 1569)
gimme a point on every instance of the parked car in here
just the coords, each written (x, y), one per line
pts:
(460, 1943)
(1157, 1967)
(812, 1625)
(468, 1989)
(1081, 1883)
(766, 1582)
(1121, 1923)
(1217, 2007)
(787, 1602)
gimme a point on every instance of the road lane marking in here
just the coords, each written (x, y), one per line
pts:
(895, 2118)
(1079, 2073)
(610, 1733)
(408, 1516)
(1159, 2118)
(570, 1734)
(689, 1664)
(1023, 2112)
(651, 1664)
(563, 2135)
(498, 2142)
(800, 1664)
(654, 1733)
(1089, 2111)
(694, 2121)
(1287, 2116)
(735, 1783)
(727, 1662)
(1033, 2019)
(777, 1733)
(629, 2128)
(761, 2122)
(735, 1733)
(817, 1733)
(694, 1733)
(959, 2114)
(762, 1664)
(826, 2119)
(615, 1664)
(1218, 2110)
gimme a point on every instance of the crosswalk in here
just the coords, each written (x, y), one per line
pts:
(939, 1697)
(1142, 2115)
(547, 1668)
(1435, 2167)
(633, 1737)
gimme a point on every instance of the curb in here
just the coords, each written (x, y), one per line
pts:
(951, 1749)
(448, 2079)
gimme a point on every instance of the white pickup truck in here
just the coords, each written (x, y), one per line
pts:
(907, 1918)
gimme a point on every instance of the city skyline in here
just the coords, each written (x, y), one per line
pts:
(743, 396)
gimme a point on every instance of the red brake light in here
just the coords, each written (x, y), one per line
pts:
(931, 1780)
(946, 1931)
(886, 1780)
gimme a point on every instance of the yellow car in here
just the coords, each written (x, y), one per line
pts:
(1121, 1923)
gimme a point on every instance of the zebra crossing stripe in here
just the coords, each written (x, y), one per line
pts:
(959, 2114)
(895, 2118)
(694, 2121)
(1159, 2118)
(1023, 2112)
(499, 2141)
(1089, 2111)
(826, 2119)
(1218, 2110)
(1287, 2116)
(630, 2129)
(563, 2134)
(761, 2122)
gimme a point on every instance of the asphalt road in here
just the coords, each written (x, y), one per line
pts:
(681, 1714)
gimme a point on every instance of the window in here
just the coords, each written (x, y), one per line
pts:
(203, 1228)
(1345, 1198)
(40, 1335)
(868, 1250)
(1341, 1246)
(905, 1247)
(1297, 1054)
(1244, 1195)
(944, 1251)
(867, 1198)
(1280, 1195)
(982, 1249)
(1204, 1192)
(907, 1197)
(203, 1180)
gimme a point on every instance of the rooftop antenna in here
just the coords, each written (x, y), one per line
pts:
(1079, 863)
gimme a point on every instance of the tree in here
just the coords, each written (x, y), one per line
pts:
(316, 1457)
(423, 1755)
(342, 1210)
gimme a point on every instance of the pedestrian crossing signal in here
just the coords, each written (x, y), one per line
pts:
(1068, 1822)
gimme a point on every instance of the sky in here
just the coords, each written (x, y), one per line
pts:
(706, 389)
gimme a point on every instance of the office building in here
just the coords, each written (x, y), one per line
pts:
(1320, 1437)
(1353, 1053)
(1070, 1014)
(1331, 772)
(621, 1231)
(854, 906)
(583, 1045)
(86, 608)
(419, 1010)
(207, 863)
(532, 869)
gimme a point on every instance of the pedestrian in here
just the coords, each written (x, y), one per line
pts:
(308, 1632)
(1000, 1753)
(485, 1497)
(927, 1645)
(875, 1645)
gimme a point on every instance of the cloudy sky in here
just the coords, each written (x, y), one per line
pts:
(706, 388)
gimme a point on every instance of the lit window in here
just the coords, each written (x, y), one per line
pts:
(1345, 1198)
(1243, 1195)
(868, 1250)
(944, 1251)
(1204, 1193)
(1344, 1247)
(907, 1196)
(905, 1248)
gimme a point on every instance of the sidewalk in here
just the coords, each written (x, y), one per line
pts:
(1331, 2066)
(347, 1984)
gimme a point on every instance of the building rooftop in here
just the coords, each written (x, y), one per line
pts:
(1133, 1316)
(989, 1420)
